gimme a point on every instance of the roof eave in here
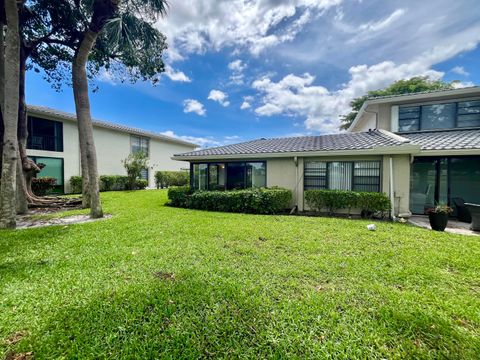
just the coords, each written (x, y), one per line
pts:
(377, 150)
(54, 116)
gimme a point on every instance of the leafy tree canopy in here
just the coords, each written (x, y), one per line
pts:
(414, 85)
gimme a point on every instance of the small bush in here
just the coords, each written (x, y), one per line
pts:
(255, 201)
(178, 195)
(42, 185)
(171, 178)
(334, 200)
(76, 184)
(113, 182)
(140, 184)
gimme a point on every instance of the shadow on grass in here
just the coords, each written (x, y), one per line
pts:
(175, 317)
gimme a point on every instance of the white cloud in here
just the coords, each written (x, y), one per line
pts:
(462, 84)
(246, 104)
(204, 142)
(195, 26)
(383, 23)
(321, 108)
(176, 75)
(236, 65)
(219, 96)
(459, 70)
(192, 105)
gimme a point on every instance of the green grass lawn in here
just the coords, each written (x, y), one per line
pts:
(160, 282)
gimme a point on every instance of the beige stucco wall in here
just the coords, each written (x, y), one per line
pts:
(283, 172)
(112, 147)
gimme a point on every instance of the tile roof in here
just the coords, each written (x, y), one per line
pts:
(446, 140)
(345, 141)
(42, 110)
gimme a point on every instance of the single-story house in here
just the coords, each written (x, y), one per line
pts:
(53, 140)
(419, 149)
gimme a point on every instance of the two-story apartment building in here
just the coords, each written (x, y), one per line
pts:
(53, 141)
(419, 149)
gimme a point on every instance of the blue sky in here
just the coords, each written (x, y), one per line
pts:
(244, 69)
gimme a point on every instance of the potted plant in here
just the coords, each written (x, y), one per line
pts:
(438, 216)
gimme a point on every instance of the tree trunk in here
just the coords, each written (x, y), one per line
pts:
(84, 164)
(10, 118)
(22, 133)
(2, 80)
(84, 119)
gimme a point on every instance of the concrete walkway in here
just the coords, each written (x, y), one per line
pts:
(453, 226)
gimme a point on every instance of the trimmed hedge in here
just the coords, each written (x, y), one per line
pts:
(171, 178)
(42, 185)
(334, 200)
(107, 183)
(253, 201)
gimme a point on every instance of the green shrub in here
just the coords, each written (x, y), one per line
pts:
(171, 178)
(113, 182)
(334, 200)
(178, 195)
(255, 201)
(76, 184)
(140, 184)
(43, 185)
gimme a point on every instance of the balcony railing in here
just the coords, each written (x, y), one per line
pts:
(45, 142)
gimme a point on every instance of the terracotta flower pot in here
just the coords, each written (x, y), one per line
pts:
(438, 221)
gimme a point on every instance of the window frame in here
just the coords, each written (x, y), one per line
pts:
(35, 158)
(217, 162)
(352, 174)
(421, 106)
(140, 138)
(59, 137)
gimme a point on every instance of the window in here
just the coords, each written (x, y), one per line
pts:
(216, 176)
(235, 175)
(229, 175)
(468, 113)
(366, 176)
(256, 175)
(53, 168)
(144, 174)
(439, 116)
(139, 144)
(44, 134)
(315, 175)
(342, 175)
(200, 176)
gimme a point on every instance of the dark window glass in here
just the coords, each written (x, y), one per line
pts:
(144, 174)
(465, 179)
(366, 176)
(139, 144)
(315, 175)
(44, 134)
(235, 175)
(256, 175)
(438, 116)
(342, 175)
(468, 114)
(409, 118)
(53, 168)
(200, 176)
(216, 173)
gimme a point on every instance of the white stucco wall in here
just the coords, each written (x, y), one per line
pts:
(112, 147)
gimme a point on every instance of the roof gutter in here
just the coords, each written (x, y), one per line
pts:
(378, 150)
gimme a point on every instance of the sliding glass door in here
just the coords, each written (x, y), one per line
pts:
(440, 179)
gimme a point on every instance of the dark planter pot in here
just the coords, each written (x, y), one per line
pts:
(439, 221)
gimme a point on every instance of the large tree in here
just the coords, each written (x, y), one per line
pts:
(51, 33)
(412, 85)
(11, 74)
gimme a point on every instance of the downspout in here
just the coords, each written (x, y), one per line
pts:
(295, 160)
(392, 199)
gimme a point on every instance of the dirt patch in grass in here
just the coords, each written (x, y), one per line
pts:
(164, 276)
(19, 356)
(28, 222)
(15, 338)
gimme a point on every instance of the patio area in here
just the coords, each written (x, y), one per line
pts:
(454, 226)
